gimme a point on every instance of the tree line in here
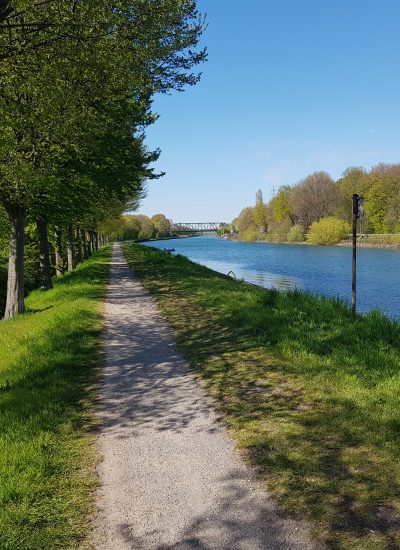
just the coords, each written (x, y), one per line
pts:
(320, 208)
(139, 226)
(77, 83)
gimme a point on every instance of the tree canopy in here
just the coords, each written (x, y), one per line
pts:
(78, 80)
(291, 212)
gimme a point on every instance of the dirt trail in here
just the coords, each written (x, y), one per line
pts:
(170, 476)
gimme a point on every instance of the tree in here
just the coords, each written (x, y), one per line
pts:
(281, 205)
(353, 180)
(313, 198)
(260, 213)
(147, 229)
(245, 220)
(161, 224)
(78, 82)
(382, 199)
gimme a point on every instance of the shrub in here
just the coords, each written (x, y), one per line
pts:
(296, 234)
(329, 230)
(249, 235)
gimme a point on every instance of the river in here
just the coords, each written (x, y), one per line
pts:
(317, 269)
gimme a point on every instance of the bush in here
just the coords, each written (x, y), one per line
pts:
(249, 235)
(296, 234)
(329, 230)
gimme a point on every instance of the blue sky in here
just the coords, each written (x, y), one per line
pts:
(290, 87)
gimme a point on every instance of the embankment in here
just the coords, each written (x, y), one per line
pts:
(310, 392)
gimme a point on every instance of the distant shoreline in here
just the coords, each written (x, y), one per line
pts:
(345, 244)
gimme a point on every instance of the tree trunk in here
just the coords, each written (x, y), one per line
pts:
(78, 241)
(70, 248)
(59, 252)
(91, 238)
(96, 241)
(88, 244)
(84, 247)
(44, 254)
(15, 283)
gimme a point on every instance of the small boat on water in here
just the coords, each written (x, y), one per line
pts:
(169, 249)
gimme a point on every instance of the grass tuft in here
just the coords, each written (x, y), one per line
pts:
(311, 393)
(48, 365)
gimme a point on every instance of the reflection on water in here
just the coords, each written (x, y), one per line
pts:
(318, 269)
(260, 278)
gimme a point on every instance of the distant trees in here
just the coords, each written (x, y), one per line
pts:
(162, 226)
(139, 226)
(313, 198)
(260, 213)
(293, 210)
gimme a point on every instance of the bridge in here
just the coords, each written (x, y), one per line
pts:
(197, 227)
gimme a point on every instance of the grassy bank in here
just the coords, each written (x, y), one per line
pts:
(47, 365)
(311, 393)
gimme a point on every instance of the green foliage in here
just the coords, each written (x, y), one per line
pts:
(376, 205)
(260, 216)
(147, 229)
(259, 213)
(77, 88)
(49, 359)
(311, 392)
(353, 180)
(281, 206)
(162, 225)
(245, 226)
(296, 234)
(329, 230)
(130, 228)
(318, 196)
(250, 234)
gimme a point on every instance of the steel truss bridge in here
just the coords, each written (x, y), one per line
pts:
(197, 227)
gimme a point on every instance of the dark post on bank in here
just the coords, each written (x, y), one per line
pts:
(357, 213)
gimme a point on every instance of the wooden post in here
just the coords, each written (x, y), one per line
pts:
(354, 263)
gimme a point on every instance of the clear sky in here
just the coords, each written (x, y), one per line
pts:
(290, 87)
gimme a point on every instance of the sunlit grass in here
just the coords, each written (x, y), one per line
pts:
(47, 366)
(311, 393)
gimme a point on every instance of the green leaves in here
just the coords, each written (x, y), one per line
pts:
(77, 82)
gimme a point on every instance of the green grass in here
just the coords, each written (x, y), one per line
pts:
(47, 369)
(311, 393)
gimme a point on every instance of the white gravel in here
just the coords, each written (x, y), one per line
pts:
(170, 476)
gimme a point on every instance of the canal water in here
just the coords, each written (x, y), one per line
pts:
(317, 269)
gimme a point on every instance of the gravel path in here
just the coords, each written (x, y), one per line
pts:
(170, 476)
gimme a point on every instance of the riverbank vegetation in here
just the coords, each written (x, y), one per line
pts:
(139, 226)
(293, 209)
(78, 80)
(49, 360)
(310, 392)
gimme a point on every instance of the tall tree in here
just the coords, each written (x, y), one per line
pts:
(79, 78)
(313, 198)
(260, 212)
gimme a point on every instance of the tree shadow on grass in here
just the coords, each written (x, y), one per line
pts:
(331, 458)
